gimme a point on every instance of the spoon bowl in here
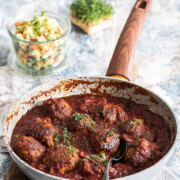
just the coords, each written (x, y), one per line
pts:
(115, 158)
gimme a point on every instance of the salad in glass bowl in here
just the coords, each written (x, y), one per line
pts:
(39, 42)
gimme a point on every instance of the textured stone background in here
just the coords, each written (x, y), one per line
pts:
(157, 55)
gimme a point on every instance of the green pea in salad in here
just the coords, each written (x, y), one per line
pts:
(39, 42)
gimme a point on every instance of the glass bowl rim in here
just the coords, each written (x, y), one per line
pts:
(68, 24)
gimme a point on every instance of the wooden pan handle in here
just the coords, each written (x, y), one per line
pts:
(122, 60)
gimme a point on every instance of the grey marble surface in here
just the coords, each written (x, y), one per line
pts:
(157, 56)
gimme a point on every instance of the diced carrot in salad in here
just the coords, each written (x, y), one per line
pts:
(19, 23)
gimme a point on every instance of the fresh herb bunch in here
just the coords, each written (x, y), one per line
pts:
(91, 11)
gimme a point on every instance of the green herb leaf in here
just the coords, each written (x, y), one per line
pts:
(122, 114)
(95, 158)
(26, 23)
(43, 13)
(60, 145)
(72, 149)
(91, 11)
(66, 133)
(19, 29)
(67, 142)
(132, 123)
(56, 137)
(92, 122)
(88, 157)
(35, 20)
(110, 133)
(138, 134)
(17, 135)
(77, 116)
(102, 157)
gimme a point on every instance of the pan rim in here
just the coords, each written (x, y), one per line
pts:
(12, 153)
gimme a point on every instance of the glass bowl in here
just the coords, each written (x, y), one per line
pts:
(37, 58)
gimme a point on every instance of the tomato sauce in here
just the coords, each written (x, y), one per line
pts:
(73, 137)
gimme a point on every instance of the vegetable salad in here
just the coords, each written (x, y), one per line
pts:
(41, 46)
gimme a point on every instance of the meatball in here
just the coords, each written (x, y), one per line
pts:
(29, 149)
(59, 108)
(112, 113)
(81, 122)
(135, 158)
(138, 156)
(94, 164)
(87, 168)
(121, 114)
(130, 139)
(93, 105)
(43, 130)
(135, 127)
(104, 139)
(64, 158)
(120, 170)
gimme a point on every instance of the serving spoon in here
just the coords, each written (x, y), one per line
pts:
(115, 158)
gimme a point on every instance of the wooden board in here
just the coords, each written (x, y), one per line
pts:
(14, 173)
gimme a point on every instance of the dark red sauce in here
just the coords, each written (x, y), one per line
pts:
(73, 137)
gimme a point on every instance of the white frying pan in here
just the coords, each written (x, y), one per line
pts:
(117, 85)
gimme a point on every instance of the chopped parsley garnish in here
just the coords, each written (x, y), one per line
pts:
(19, 29)
(77, 116)
(135, 121)
(26, 23)
(35, 19)
(99, 157)
(43, 13)
(95, 158)
(110, 133)
(17, 135)
(121, 114)
(92, 122)
(72, 149)
(132, 123)
(39, 28)
(85, 117)
(88, 157)
(138, 134)
(60, 145)
(102, 157)
(56, 137)
(66, 135)
(67, 142)
(91, 11)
